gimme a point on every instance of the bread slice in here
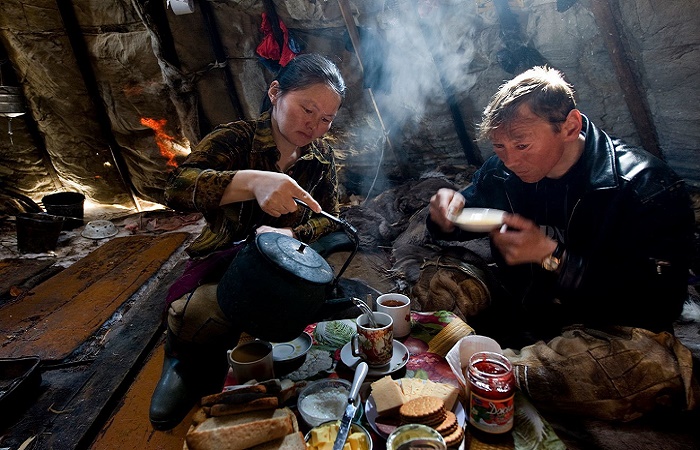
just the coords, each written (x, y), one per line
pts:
(293, 441)
(241, 431)
(225, 409)
(240, 394)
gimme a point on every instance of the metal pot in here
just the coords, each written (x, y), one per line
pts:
(276, 286)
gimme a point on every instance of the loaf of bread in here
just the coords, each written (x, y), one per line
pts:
(241, 431)
(293, 441)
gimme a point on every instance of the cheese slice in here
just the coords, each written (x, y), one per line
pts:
(387, 396)
(444, 391)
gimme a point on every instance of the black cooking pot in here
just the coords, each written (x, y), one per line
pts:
(276, 286)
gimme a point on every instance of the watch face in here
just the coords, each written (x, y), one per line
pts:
(550, 263)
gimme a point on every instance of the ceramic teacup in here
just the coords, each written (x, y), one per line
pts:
(398, 306)
(375, 346)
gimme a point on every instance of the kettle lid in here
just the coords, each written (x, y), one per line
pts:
(295, 257)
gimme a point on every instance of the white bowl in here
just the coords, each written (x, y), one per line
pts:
(479, 219)
(324, 400)
(99, 229)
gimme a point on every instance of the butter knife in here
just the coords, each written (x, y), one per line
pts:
(353, 400)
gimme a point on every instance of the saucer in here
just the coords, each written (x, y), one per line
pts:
(399, 358)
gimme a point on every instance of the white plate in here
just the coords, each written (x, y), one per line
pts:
(371, 414)
(479, 219)
(399, 358)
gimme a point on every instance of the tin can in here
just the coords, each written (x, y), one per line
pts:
(491, 390)
(415, 436)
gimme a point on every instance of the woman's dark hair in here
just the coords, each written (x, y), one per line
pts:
(304, 71)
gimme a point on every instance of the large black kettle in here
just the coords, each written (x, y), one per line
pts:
(277, 285)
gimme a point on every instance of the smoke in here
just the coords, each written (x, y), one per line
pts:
(417, 60)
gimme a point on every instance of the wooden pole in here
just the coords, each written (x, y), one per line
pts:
(355, 40)
(634, 97)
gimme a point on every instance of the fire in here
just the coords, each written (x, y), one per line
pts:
(165, 142)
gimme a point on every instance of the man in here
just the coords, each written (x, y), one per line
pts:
(593, 256)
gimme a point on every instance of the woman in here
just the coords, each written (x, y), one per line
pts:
(243, 177)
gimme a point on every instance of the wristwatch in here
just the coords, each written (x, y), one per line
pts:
(553, 261)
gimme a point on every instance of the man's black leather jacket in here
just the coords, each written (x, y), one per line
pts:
(627, 231)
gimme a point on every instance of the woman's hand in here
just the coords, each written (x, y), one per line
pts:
(275, 192)
(521, 241)
(444, 204)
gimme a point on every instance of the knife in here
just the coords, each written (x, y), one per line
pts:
(353, 400)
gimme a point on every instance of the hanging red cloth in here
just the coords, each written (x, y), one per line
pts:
(269, 48)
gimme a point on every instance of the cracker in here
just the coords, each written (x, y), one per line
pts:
(453, 440)
(448, 425)
(425, 410)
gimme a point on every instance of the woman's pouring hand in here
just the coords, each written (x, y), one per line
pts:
(275, 192)
(521, 241)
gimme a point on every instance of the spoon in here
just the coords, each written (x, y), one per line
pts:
(366, 309)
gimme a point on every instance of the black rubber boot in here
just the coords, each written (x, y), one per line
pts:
(189, 372)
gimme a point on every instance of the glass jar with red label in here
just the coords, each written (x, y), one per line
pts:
(491, 390)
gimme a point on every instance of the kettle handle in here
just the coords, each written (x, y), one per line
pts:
(349, 230)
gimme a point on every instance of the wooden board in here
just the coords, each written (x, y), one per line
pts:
(60, 313)
(77, 400)
(15, 272)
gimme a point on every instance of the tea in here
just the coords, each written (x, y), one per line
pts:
(392, 303)
(250, 352)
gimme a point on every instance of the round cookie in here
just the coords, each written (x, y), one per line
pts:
(455, 438)
(448, 425)
(425, 410)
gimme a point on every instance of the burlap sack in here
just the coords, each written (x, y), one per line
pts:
(619, 375)
(453, 281)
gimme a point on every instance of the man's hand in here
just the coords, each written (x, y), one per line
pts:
(521, 241)
(446, 203)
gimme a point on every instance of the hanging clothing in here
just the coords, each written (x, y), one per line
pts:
(269, 48)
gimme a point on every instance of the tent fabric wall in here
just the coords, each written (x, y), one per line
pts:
(118, 91)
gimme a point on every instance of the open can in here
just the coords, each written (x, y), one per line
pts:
(414, 436)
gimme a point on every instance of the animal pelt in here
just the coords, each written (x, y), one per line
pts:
(382, 219)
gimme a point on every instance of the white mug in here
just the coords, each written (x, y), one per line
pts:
(398, 306)
(251, 361)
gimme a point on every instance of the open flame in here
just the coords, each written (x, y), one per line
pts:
(167, 144)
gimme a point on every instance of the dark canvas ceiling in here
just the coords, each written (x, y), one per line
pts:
(117, 91)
